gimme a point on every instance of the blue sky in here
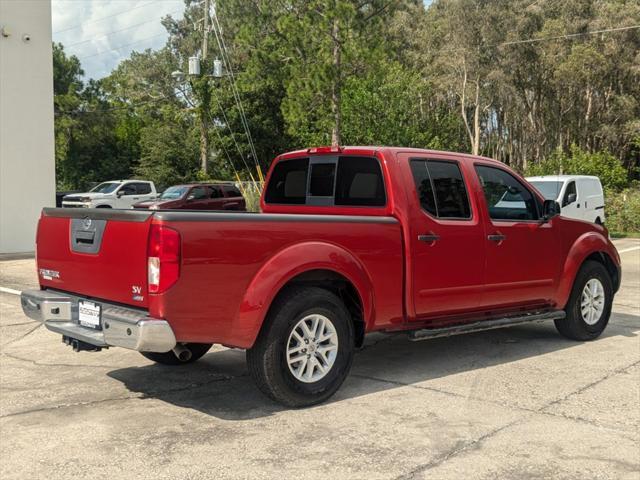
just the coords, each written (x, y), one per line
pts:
(103, 32)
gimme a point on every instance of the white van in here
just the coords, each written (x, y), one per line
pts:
(579, 196)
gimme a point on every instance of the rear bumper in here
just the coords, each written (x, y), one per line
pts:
(121, 326)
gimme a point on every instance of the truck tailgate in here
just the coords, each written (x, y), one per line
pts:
(99, 253)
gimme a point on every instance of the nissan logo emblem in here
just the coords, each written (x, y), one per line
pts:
(86, 223)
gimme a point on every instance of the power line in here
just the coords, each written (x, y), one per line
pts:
(547, 39)
(69, 45)
(102, 18)
(228, 125)
(225, 56)
(114, 109)
(561, 37)
(115, 49)
(226, 121)
(224, 149)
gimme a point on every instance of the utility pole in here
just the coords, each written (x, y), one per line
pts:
(205, 30)
(204, 105)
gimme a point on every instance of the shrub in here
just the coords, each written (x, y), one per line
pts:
(623, 210)
(609, 169)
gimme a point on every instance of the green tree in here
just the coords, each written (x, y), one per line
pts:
(608, 168)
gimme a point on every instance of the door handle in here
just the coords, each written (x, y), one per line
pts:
(496, 237)
(430, 238)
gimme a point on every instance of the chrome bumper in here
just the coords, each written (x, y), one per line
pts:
(121, 327)
(75, 205)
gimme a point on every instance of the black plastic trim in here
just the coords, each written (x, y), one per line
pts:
(99, 214)
(481, 325)
(183, 216)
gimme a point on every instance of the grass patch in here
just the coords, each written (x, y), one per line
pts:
(624, 234)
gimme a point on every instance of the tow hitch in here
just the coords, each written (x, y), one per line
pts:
(79, 345)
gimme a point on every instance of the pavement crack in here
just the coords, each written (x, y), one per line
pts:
(455, 451)
(22, 336)
(69, 405)
(141, 395)
(578, 391)
(540, 411)
(39, 364)
(16, 324)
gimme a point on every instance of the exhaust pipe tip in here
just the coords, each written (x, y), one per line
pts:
(183, 353)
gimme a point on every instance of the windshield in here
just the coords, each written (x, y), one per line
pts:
(106, 187)
(173, 193)
(549, 190)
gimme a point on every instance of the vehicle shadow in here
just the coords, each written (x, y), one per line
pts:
(219, 384)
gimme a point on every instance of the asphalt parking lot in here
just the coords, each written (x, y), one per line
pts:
(518, 403)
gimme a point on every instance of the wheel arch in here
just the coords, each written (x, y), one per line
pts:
(311, 263)
(590, 246)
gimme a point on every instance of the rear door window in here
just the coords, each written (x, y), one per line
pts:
(128, 189)
(441, 189)
(215, 191)
(143, 188)
(232, 191)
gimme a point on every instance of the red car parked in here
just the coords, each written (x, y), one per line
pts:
(351, 240)
(197, 196)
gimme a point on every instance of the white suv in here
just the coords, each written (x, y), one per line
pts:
(579, 196)
(114, 194)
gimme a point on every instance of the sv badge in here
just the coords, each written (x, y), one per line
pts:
(136, 292)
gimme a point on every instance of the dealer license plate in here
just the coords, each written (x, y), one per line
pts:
(89, 314)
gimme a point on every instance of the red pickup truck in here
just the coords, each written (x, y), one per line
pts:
(350, 240)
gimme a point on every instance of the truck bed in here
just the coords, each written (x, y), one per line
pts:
(231, 264)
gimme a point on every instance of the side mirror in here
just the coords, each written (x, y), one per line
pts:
(550, 209)
(191, 198)
(120, 193)
(571, 198)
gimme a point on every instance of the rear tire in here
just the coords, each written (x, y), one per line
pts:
(589, 306)
(170, 358)
(305, 349)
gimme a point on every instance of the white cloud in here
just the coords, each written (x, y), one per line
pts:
(94, 30)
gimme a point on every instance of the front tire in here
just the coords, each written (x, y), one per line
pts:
(589, 306)
(170, 358)
(305, 349)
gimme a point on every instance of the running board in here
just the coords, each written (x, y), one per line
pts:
(481, 325)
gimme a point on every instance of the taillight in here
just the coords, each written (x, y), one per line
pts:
(163, 258)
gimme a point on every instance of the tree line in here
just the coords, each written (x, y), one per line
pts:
(524, 82)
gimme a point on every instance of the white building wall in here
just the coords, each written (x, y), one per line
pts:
(27, 164)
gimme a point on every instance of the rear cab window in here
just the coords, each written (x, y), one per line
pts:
(339, 180)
